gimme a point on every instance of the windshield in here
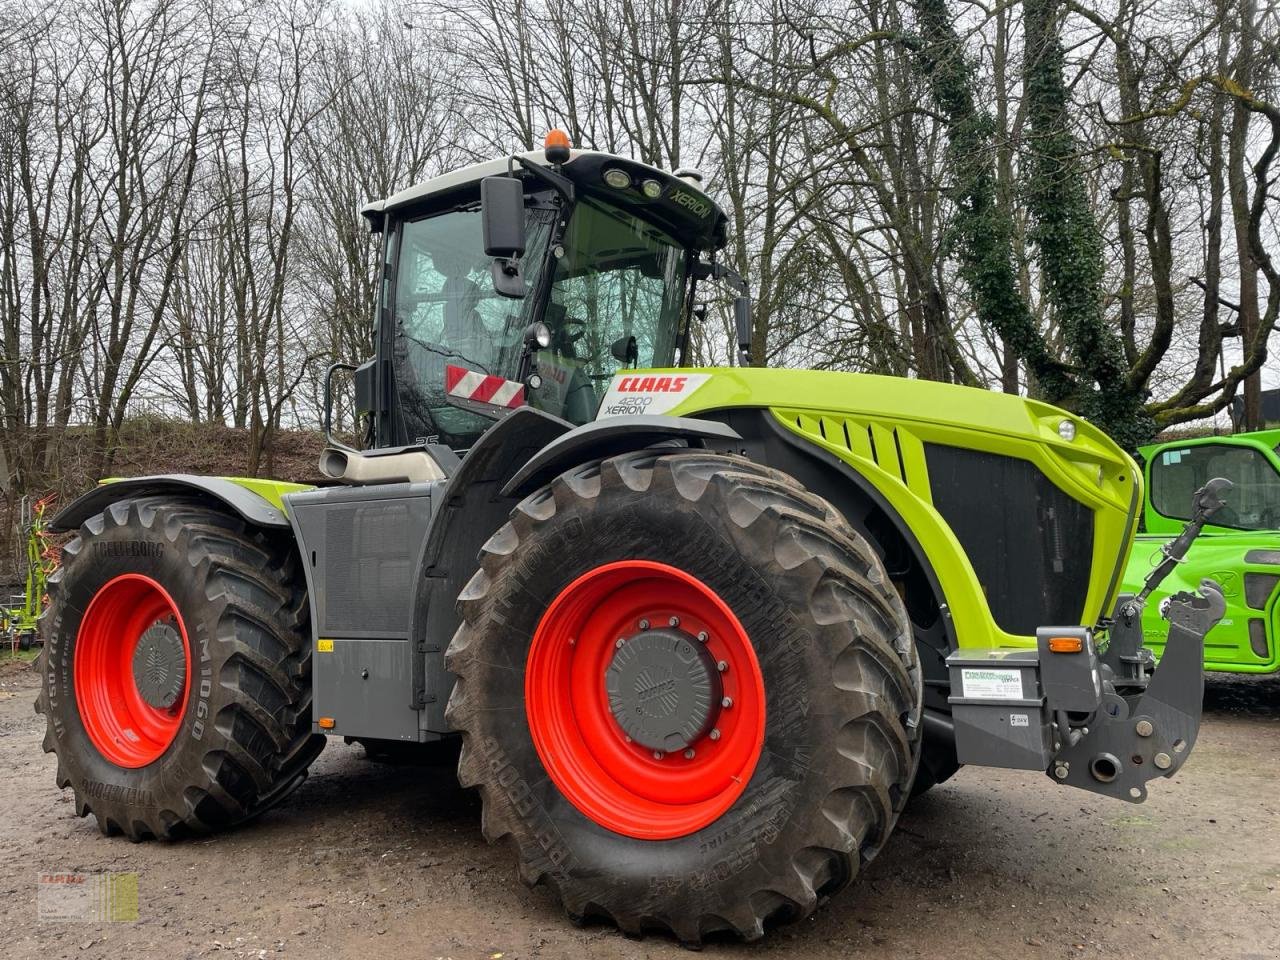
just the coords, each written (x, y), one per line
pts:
(614, 300)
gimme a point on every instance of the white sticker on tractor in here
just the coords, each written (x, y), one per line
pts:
(633, 394)
(1019, 720)
(987, 684)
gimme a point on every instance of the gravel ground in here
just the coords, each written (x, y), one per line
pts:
(369, 861)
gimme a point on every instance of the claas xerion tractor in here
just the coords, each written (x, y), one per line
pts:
(701, 632)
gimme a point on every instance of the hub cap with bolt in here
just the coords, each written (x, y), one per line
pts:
(644, 699)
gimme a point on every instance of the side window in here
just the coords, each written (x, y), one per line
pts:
(445, 303)
(1254, 502)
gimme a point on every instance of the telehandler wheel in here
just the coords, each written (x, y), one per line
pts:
(176, 669)
(688, 693)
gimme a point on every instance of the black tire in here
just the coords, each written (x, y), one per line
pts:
(244, 741)
(842, 689)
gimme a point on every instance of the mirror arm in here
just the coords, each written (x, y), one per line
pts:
(561, 184)
(742, 319)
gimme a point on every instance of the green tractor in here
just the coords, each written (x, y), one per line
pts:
(20, 621)
(1240, 548)
(701, 632)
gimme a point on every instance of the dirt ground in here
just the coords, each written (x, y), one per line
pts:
(369, 861)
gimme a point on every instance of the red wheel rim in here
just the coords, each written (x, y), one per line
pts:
(127, 729)
(616, 782)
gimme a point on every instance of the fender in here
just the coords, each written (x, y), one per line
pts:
(607, 438)
(255, 501)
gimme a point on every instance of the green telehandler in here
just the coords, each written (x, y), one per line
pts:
(701, 631)
(1240, 548)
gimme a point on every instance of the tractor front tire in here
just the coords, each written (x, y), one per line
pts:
(176, 669)
(688, 694)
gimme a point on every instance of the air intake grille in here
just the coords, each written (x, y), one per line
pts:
(1030, 544)
(367, 568)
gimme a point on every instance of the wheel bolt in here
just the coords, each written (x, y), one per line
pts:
(727, 702)
(1143, 728)
(658, 754)
(1163, 761)
(714, 734)
(644, 624)
(702, 636)
(722, 666)
(1061, 771)
(673, 622)
(620, 642)
(688, 754)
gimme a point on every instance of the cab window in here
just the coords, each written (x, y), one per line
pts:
(1252, 504)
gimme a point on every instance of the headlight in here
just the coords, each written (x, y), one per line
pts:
(651, 189)
(1067, 430)
(617, 178)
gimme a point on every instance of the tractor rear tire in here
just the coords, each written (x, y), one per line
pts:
(687, 559)
(177, 669)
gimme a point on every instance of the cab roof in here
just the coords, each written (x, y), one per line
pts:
(682, 205)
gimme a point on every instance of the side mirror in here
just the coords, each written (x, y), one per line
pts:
(326, 420)
(625, 351)
(502, 222)
(742, 326)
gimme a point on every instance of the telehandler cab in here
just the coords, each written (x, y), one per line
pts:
(701, 631)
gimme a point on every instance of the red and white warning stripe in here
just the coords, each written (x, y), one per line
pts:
(468, 385)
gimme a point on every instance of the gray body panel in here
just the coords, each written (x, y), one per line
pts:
(362, 548)
(362, 685)
(999, 710)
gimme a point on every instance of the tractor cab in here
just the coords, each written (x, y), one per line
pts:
(1175, 469)
(530, 281)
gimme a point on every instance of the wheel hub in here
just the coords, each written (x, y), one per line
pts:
(159, 665)
(663, 688)
(644, 699)
(132, 670)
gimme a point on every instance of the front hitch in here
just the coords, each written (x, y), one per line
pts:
(1104, 722)
(1130, 740)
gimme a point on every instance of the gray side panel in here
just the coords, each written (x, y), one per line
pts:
(247, 504)
(360, 684)
(361, 548)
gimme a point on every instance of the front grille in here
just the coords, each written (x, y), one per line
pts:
(1030, 543)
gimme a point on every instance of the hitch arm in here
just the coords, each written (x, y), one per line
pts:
(1207, 501)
